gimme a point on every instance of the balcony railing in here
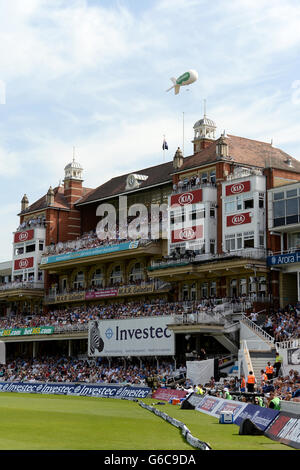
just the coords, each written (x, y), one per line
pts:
(192, 187)
(92, 293)
(190, 256)
(21, 285)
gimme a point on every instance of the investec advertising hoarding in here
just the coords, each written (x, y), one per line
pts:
(135, 337)
(100, 250)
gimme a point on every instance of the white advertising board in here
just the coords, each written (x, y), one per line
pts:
(149, 336)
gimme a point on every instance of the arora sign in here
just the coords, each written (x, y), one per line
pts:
(287, 258)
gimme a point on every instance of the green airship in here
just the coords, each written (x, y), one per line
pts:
(185, 79)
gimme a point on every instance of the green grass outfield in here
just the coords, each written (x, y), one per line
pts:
(47, 422)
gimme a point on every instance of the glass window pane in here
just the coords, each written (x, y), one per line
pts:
(291, 193)
(278, 196)
(292, 206)
(279, 209)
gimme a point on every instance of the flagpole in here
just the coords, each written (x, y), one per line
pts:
(183, 133)
(164, 149)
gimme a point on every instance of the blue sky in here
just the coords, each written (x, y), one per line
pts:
(93, 74)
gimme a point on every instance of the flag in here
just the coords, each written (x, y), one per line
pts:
(165, 145)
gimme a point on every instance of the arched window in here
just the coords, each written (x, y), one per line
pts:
(116, 276)
(97, 279)
(136, 273)
(79, 280)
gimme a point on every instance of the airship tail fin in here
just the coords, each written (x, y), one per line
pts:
(174, 84)
(177, 88)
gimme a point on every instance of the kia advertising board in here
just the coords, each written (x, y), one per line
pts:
(237, 188)
(23, 236)
(187, 234)
(238, 219)
(148, 336)
(23, 263)
(191, 197)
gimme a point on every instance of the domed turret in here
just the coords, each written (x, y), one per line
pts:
(73, 170)
(204, 133)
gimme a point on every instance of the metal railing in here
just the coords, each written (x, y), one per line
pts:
(21, 285)
(290, 344)
(246, 253)
(258, 330)
(192, 187)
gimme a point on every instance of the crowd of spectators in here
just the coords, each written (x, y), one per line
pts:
(34, 222)
(143, 231)
(193, 182)
(66, 369)
(286, 388)
(86, 313)
(283, 324)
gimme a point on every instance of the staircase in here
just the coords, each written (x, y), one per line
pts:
(259, 361)
(261, 347)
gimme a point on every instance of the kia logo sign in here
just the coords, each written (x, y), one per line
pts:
(186, 198)
(23, 263)
(238, 219)
(23, 236)
(237, 188)
(191, 197)
(187, 234)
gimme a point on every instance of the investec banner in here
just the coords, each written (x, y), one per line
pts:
(214, 406)
(86, 390)
(288, 258)
(148, 336)
(37, 330)
(100, 250)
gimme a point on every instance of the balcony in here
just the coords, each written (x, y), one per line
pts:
(21, 285)
(190, 257)
(94, 293)
(178, 189)
(82, 252)
(21, 289)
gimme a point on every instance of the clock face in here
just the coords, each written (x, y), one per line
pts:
(131, 180)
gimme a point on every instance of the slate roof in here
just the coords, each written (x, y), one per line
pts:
(243, 151)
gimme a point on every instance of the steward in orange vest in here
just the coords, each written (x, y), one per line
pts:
(250, 382)
(269, 371)
(243, 384)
